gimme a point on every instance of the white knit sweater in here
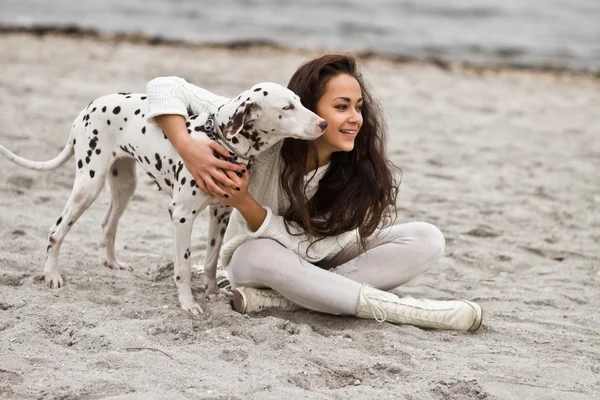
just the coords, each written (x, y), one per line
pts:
(173, 95)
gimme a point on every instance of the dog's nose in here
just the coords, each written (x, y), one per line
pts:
(323, 124)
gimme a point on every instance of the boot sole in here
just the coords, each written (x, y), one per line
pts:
(479, 319)
(238, 303)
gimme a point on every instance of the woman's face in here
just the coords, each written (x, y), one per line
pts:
(340, 106)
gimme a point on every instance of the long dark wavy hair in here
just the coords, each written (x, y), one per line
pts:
(359, 189)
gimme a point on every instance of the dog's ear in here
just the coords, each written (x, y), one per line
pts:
(245, 113)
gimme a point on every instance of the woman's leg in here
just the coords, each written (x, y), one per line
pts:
(393, 255)
(263, 263)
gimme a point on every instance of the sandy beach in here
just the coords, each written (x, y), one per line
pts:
(505, 163)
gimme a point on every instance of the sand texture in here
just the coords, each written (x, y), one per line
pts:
(507, 164)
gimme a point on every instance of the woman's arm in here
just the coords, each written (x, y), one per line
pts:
(168, 101)
(260, 222)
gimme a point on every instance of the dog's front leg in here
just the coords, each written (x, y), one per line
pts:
(182, 218)
(218, 219)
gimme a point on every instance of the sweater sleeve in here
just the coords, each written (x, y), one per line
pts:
(174, 95)
(273, 227)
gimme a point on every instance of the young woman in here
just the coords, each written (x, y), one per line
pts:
(313, 227)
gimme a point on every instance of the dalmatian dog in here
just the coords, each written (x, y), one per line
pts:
(111, 135)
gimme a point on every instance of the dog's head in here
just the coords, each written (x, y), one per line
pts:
(265, 114)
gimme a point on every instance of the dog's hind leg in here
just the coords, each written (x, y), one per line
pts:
(122, 181)
(218, 219)
(86, 189)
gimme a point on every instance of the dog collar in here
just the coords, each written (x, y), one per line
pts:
(214, 133)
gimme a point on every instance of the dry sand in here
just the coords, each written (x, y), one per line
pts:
(506, 164)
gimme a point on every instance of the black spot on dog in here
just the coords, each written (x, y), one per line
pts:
(144, 130)
(93, 142)
(213, 242)
(158, 164)
(137, 111)
(193, 192)
(59, 221)
(125, 119)
(265, 93)
(114, 153)
(80, 164)
(70, 223)
(183, 180)
(116, 110)
(257, 89)
(108, 122)
(178, 171)
(97, 151)
(222, 232)
(280, 117)
(182, 220)
(215, 212)
(87, 160)
(95, 131)
(104, 109)
(177, 278)
(92, 173)
(170, 161)
(234, 140)
(193, 183)
(89, 153)
(143, 98)
(168, 182)
(147, 160)
(74, 141)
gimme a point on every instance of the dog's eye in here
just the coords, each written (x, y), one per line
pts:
(289, 107)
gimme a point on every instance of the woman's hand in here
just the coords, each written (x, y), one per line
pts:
(211, 174)
(198, 156)
(243, 201)
(238, 196)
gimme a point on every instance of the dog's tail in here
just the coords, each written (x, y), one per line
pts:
(56, 162)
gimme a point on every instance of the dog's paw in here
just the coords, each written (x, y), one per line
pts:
(54, 280)
(118, 265)
(193, 308)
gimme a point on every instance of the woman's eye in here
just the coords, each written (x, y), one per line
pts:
(341, 106)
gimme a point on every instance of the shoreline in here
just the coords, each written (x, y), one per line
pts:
(76, 31)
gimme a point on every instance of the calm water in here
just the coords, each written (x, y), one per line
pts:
(534, 32)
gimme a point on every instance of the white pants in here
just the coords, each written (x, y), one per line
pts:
(393, 256)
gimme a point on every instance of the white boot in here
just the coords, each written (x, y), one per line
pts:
(460, 315)
(247, 300)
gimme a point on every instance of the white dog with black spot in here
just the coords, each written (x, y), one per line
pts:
(111, 135)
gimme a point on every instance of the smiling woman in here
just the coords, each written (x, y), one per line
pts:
(312, 227)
